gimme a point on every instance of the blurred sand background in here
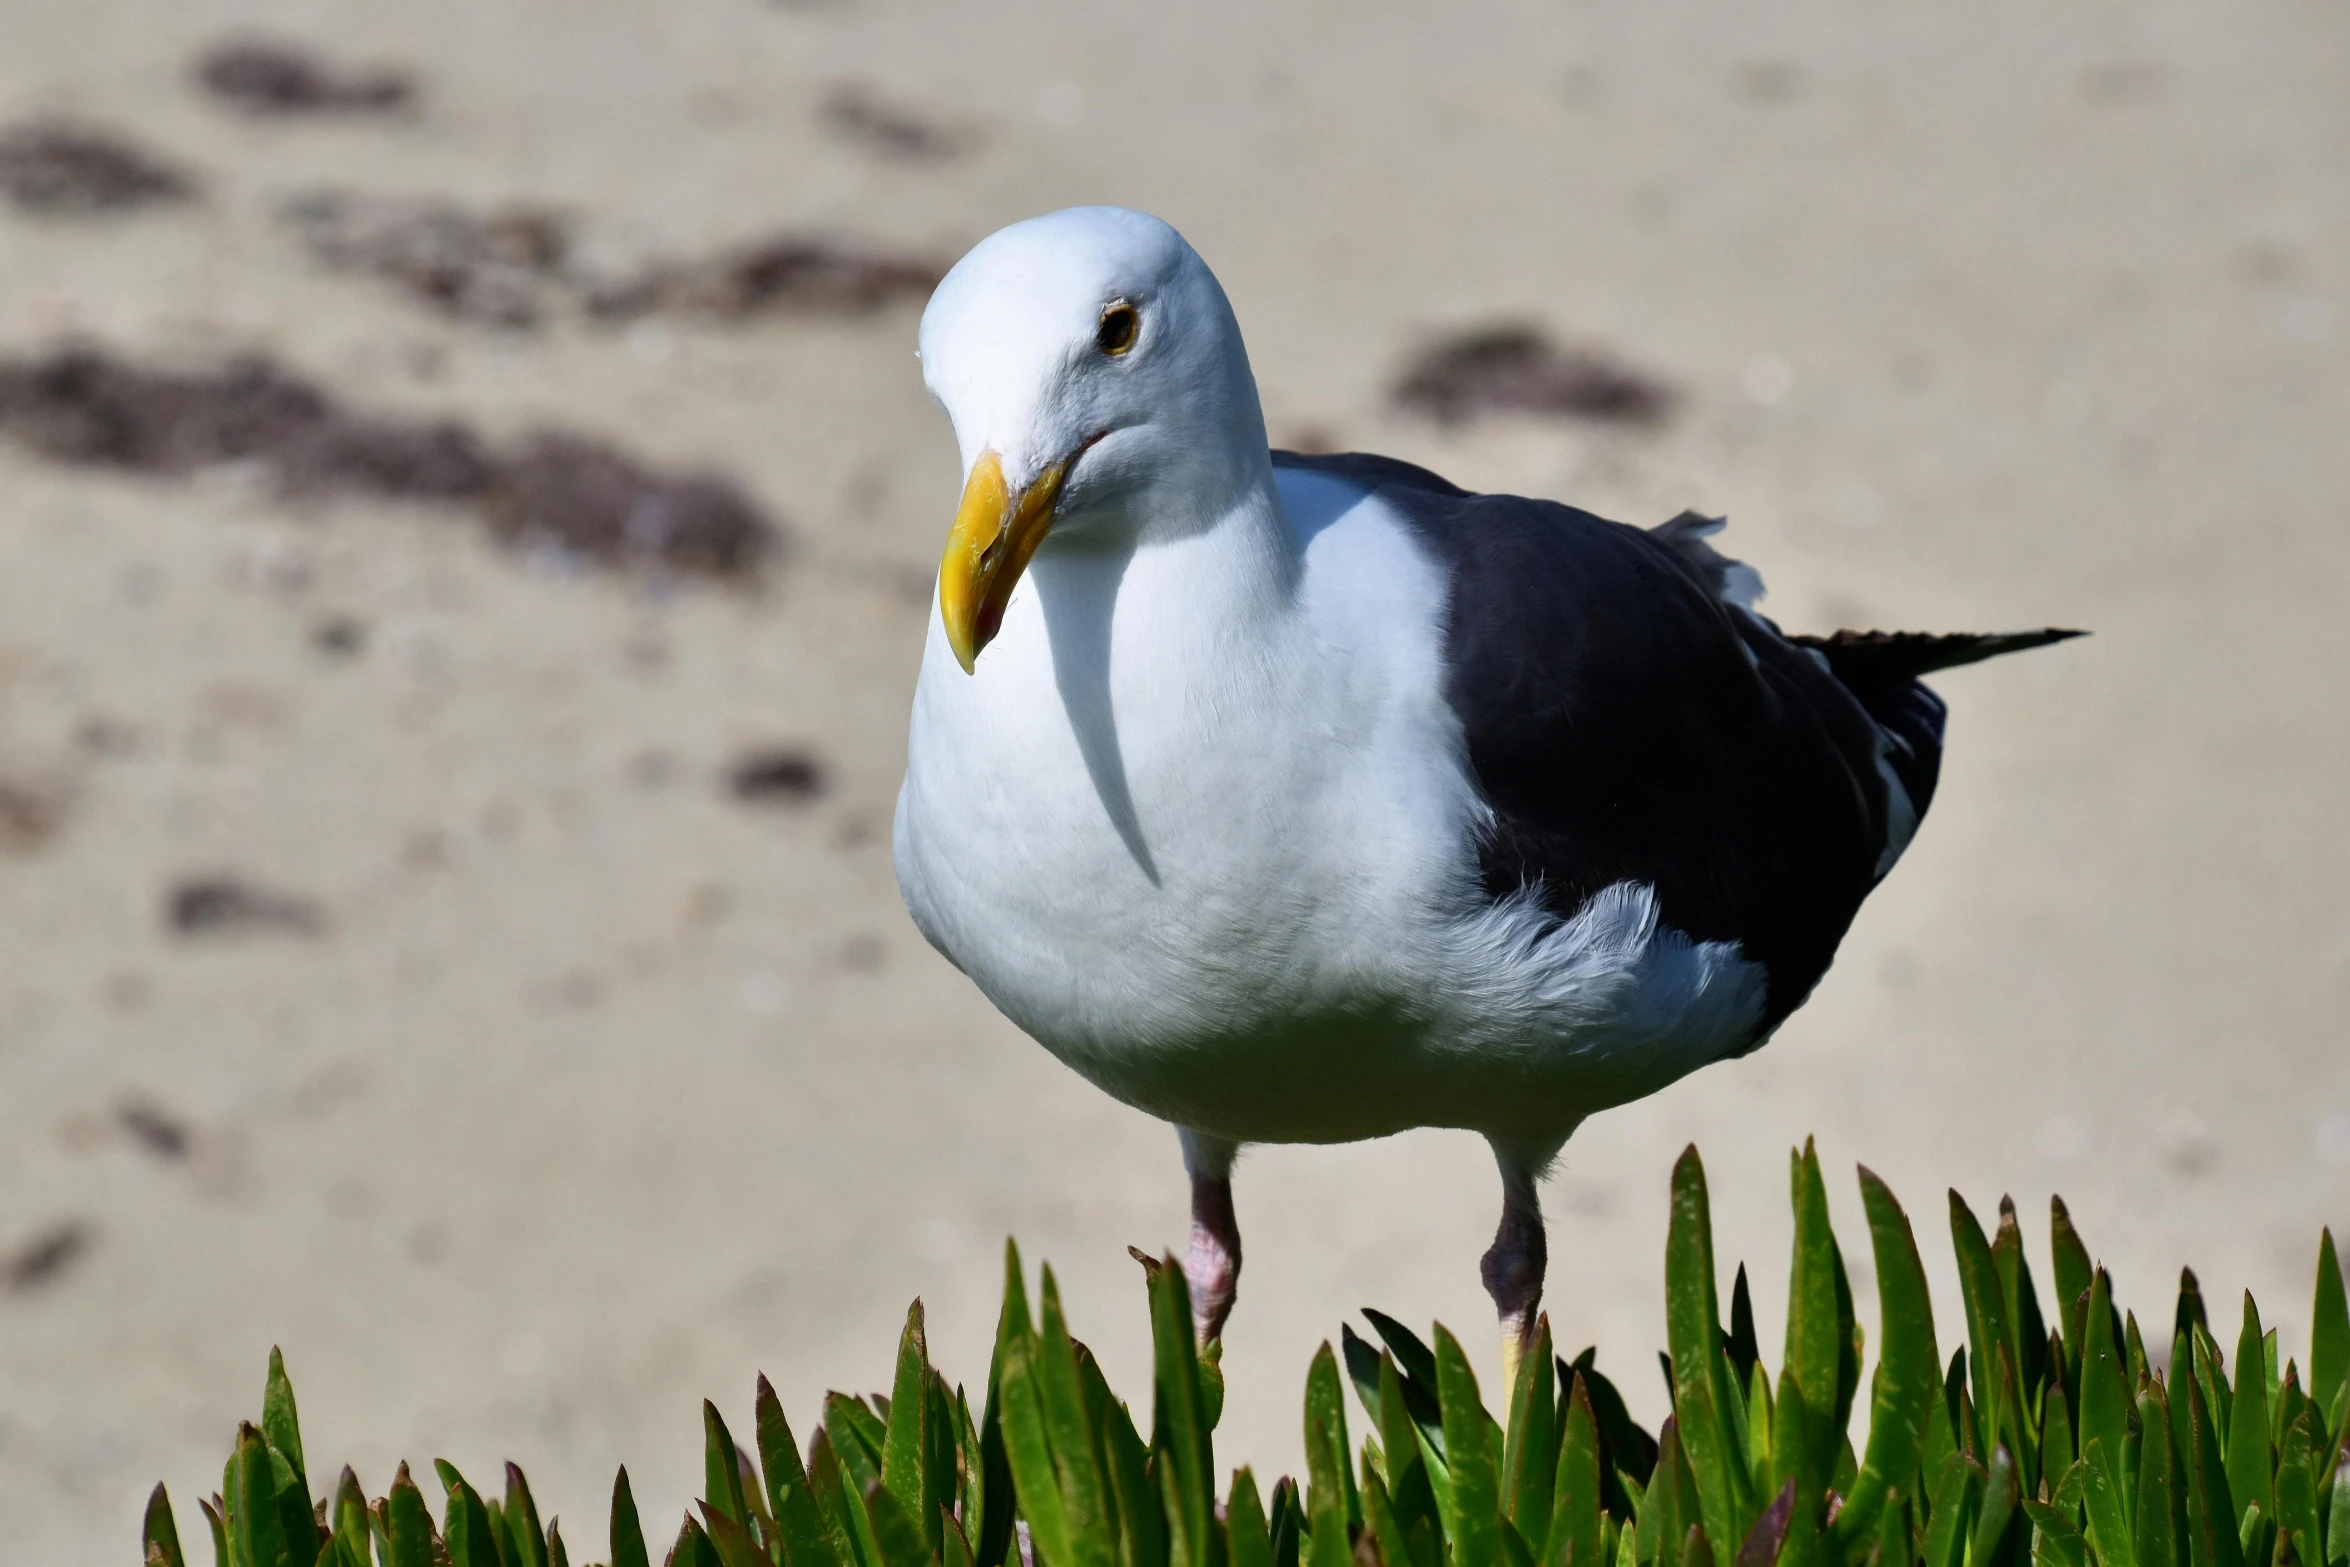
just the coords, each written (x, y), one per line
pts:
(600, 1089)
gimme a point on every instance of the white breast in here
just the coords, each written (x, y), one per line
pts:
(1210, 839)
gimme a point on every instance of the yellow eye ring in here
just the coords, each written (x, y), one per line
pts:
(1121, 325)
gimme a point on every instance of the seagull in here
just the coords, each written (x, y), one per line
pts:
(1309, 799)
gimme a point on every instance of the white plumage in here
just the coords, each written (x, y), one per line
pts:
(1237, 782)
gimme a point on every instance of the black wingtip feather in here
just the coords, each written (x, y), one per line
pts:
(1871, 657)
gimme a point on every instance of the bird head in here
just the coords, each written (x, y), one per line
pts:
(1100, 396)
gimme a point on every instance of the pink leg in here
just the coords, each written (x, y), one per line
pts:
(1213, 1269)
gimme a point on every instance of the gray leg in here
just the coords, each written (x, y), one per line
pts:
(1514, 1264)
(1213, 1269)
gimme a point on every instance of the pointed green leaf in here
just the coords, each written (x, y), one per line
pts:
(2212, 1521)
(2069, 1259)
(990, 1476)
(1418, 1489)
(279, 1422)
(522, 1521)
(1701, 1392)
(1139, 1514)
(839, 1508)
(2296, 1487)
(1958, 1495)
(1815, 1334)
(957, 1546)
(2058, 1449)
(1909, 1367)
(1744, 1350)
(1662, 1517)
(1284, 1517)
(906, 1443)
(722, 1485)
(2111, 1533)
(1575, 1510)
(1084, 1496)
(1327, 1493)
(1029, 1451)
(852, 1478)
(733, 1542)
(2154, 1539)
(408, 1539)
(1249, 1537)
(2001, 1496)
(799, 1521)
(1412, 1356)
(2105, 1395)
(2056, 1539)
(2190, 1313)
(2329, 1332)
(693, 1548)
(1473, 1523)
(1986, 1308)
(2021, 1300)
(1530, 1451)
(1381, 1531)
(628, 1535)
(159, 1534)
(1625, 1450)
(1181, 1430)
(467, 1533)
(2337, 1528)
(2248, 1463)
(256, 1525)
(896, 1534)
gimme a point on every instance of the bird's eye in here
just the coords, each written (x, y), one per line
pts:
(1121, 325)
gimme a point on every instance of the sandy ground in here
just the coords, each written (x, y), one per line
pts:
(601, 1090)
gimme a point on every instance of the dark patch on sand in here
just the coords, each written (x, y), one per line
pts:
(813, 274)
(219, 905)
(64, 168)
(46, 1258)
(272, 78)
(519, 265)
(586, 498)
(854, 114)
(156, 1130)
(554, 490)
(31, 812)
(1516, 369)
(340, 637)
(497, 268)
(777, 775)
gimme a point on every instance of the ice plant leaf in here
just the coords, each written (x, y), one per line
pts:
(279, 1421)
(2329, 1333)
(2249, 1467)
(1530, 1451)
(2072, 1270)
(1909, 1367)
(906, 1441)
(159, 1534)
(1249, 1538)
(1473, 1522)
(628, 1535)
(1702, 1400)
(1815, 1341)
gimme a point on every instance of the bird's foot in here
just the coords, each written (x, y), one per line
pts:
(1512, 1269)
(1213, 1269)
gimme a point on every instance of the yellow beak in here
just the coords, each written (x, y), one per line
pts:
(994, 535)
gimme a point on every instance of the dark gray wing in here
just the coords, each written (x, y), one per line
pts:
(1624, 723)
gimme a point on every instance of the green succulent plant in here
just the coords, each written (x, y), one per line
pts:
(2041, 1442)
